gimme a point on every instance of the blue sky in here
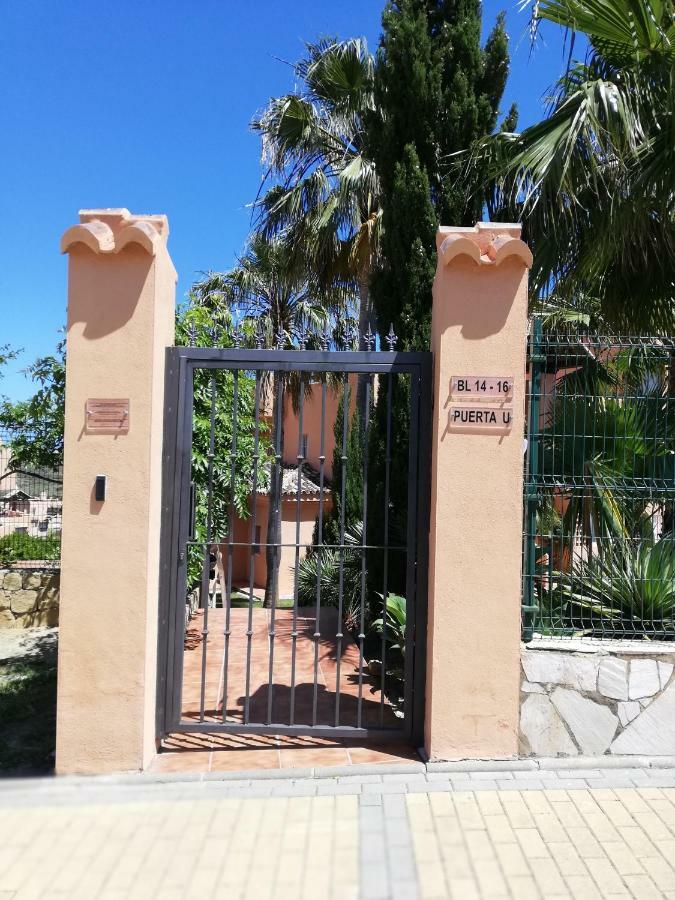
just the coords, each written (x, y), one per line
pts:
(146, 104)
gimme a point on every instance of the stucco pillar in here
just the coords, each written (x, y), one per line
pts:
(478, 339)
(121, 301)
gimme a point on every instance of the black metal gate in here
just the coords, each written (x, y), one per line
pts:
(293, 585)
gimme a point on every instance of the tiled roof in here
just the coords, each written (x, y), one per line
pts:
(309, 485)
(15, 494)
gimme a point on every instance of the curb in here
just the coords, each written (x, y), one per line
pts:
(543, 765)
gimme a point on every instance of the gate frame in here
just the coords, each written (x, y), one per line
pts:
(181, 363)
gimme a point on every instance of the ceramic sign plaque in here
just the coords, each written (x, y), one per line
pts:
(487, 387)
(480, 418)
(107, 416)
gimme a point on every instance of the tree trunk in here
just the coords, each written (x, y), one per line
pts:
(273, 550)
(366, 320)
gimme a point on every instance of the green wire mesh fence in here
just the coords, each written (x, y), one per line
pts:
(31, 501)
(599, 531)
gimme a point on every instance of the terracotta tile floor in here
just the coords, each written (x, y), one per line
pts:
(220, 752)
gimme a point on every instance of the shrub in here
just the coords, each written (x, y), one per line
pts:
(18, 547)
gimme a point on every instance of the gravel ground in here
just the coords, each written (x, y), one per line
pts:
(28, 643)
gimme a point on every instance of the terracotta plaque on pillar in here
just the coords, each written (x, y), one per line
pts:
(107, 416)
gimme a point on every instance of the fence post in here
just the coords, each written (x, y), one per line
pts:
(479, 327)
(529, 608)
(121, 302)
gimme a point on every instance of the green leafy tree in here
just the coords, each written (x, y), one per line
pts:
(594, 180)
(276, 304)
(221, 485)
(353, 479)
(37, 423)
(6, 354)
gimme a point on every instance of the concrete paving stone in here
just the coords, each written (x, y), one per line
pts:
(618, 841)
(359, 779)
(531, 775)
(571, 784)
(643, 888)
(606, 877)
(403, 777)
(657, 780)
(490, 775)
(332, 788)
(370, 799)
(398, 841)
(532, 784)
(586, 774)
(430, 787)
(401, 867)
(460, 778)
(394, 806)
(593, 762)
(295, 789)
(370, 818)
(582, 887)
(385, 788)
(484, 785)
(404, 890)
(524, 887)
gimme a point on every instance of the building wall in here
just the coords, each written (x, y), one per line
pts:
(309, 510)
(311, 426)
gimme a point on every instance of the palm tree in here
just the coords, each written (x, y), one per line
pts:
(325, 192)
(594, 181)
(275, 304)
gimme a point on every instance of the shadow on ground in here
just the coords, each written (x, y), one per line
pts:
(27, 701)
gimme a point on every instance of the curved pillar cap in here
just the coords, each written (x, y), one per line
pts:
(487, 244)
(110, 230)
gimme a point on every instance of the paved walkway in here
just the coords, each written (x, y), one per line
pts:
(402, 834)
(305, 674)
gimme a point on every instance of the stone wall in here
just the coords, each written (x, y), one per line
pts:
(29, 597)
(580, 698)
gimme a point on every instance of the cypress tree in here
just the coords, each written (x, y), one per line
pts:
(436, 91)
(353, 487)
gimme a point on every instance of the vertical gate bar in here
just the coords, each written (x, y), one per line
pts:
(294, 629)
(411, 549)
(277, 538)
(317, 613)
(364, 541)
(251, 570)
(167, 541)
(230, 540)
(176, 484)
(385, 563)
(343, 458)
(423, 475)
(184, 456)
(206, 561)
